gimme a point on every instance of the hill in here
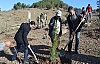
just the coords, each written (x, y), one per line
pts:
(48, 4)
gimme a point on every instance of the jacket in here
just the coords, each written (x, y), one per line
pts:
(51, 26)
(21, 35)
(72, 28)
(89, 9)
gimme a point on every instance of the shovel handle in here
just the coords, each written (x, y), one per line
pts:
(33, 54)
(81, 21)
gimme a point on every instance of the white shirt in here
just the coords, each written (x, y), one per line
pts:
(2, 45)
(57, 24)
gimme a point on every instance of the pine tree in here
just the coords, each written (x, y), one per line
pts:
(53, 51)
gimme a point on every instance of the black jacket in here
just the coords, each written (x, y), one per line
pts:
(51, 26)
(72, 28)
(21, 35)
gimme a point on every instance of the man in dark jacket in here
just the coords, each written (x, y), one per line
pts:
(55, 26)
(73, 21)
(21, 39)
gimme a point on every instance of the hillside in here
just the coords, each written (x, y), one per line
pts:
(47, 4)
(14, 17)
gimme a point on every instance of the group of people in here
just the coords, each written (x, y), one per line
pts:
(74, 19)
(55, 27)
(42, 20)
(88, 11)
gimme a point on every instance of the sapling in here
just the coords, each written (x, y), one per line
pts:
(53, 51)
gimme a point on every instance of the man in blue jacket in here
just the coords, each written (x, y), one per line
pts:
(74, 18)
(21, 39)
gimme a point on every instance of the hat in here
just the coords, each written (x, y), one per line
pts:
(70, 8)
(58, 13)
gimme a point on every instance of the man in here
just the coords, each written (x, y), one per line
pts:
(73, 21)
(89, 10)
(21, 39)
(55, 27)
(5, 44)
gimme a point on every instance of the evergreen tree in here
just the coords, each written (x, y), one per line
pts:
(23, 5)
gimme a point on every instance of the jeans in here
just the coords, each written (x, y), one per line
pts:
(90, 15)
(17, 50)
(71, 41)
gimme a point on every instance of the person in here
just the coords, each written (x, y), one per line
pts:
(74, 18)
(5, 44)
(84, 13)
(55, 25)
(21, 39)
(89, 10)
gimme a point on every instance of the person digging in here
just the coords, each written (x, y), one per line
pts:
(73, 21)
(21, 39)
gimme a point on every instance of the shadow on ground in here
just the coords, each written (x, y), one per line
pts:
(3, 54)
(80, 58)
(42, 50)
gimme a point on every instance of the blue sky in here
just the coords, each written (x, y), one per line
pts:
(8, 4)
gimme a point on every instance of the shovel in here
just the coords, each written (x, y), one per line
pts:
(33, 53)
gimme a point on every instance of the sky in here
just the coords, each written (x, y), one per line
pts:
(8, 4)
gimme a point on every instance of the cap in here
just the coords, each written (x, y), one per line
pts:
(58, 13)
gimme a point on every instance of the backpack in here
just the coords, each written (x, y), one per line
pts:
(78, 12)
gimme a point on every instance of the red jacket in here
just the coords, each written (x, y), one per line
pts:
(89, 9)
